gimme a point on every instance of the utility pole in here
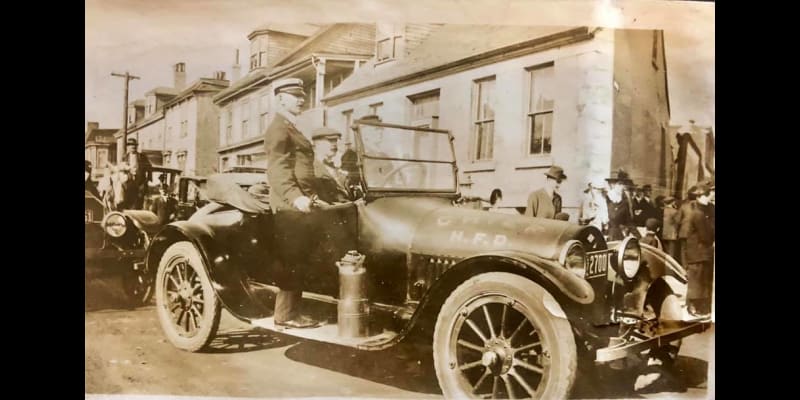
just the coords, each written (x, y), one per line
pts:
(128, 77)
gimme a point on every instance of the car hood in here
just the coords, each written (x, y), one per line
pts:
(433, 227)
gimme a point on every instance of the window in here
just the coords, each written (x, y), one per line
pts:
(244, 159)
(253, 61)
(263, 114)
(224, 164)
(245, 119)
(483, 119)
(184, 128)
(262, 58)
(167, 158)
(182, 161)
(389, 38)
(425, 109)
(348, 123)
(540, 109)
(229, 127)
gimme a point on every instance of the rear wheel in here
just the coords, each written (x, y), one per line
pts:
(495, 339)
(188, 309)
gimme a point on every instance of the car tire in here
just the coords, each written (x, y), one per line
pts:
(188, 309)
(504, 362)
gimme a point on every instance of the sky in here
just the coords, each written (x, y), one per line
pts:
(146, 37)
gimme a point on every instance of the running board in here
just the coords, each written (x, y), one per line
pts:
(329, 333)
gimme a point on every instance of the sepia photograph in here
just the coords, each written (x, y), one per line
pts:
(368, 199)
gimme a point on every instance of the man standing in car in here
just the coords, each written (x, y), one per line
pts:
(139, 167)
(290, 172)
(329, 186)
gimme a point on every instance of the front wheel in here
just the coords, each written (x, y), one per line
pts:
(188, 308)
(494, 338)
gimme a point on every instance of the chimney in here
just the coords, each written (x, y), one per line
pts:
(92, 126)
(237, 69)
(180, 76)
(219, 75)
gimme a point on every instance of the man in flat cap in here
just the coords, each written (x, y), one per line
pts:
(139, 167)
(330, 180)
(545, 202)
(290, 172)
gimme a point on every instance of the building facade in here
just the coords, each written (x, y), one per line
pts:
(321, 55)
(100, 148)
(520, 99)
(191, 127)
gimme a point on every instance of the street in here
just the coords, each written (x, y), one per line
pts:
(126, 353)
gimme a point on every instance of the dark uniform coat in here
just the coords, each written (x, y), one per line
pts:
(290, 168)
(138, 190)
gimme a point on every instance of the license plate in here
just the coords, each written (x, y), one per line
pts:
(596, 264)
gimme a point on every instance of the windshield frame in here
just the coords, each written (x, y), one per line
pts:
(381, 192)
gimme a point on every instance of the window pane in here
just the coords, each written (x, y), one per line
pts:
(542, 89)
(541, 133)
(486, 100)
(484, 140)
(408, 175)
(425, 107)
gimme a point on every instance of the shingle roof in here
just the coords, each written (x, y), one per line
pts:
(448, 44)
(94, 133)
(200, 85)
(241, 83)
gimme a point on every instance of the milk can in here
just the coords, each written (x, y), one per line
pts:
(353, 308)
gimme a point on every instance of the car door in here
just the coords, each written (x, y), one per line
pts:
(336, 233)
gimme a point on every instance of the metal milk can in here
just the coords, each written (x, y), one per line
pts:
(353, 307)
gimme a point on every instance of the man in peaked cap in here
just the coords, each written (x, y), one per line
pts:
(545, 202)
(290, 172)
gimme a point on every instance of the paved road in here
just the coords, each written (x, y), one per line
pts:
(126, 353)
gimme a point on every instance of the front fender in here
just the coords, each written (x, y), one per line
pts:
(225, 276)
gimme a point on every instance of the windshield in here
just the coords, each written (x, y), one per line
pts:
(404, 159)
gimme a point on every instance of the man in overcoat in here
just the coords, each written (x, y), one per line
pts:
(545, 202)
(290, 172)
(699, 252)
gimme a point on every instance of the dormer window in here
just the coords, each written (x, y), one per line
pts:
(389, 39)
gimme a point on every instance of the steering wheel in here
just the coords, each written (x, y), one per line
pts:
(392, 173)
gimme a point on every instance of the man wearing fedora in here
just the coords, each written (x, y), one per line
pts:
(330, 180)
(618, 204)
(139, 167)
(290, 172)
(545, 202)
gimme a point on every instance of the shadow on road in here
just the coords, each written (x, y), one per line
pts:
(406, 366)
(245, 340)
(603, 382)
(105, 293)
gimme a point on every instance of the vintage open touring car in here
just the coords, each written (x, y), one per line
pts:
(116, 241)
(512, 303)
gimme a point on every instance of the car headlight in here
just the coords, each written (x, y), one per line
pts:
(573, 257)
(115, 224)
(629, 257)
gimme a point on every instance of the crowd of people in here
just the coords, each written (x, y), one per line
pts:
(682, 228)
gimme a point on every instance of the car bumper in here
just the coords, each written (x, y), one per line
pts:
(617, 351)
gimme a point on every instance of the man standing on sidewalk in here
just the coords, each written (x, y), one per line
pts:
(700, 253)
